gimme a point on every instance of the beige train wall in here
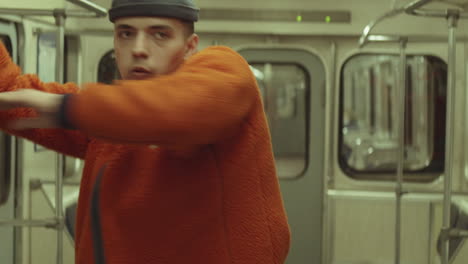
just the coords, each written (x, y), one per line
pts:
(39, 244)
(362, 12)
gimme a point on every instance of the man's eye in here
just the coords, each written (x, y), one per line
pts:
(125, 34)
(160, 35)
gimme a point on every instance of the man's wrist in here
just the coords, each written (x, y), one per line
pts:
(62, 115)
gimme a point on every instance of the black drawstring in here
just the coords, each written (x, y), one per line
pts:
(98, 243)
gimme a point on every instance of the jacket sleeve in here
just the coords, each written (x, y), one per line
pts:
(206, 100)
(68, 142)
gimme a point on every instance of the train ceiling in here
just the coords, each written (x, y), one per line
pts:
(458, 3)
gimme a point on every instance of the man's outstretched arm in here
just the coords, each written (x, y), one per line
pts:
(12, 82)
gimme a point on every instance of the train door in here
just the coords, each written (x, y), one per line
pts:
(292, 82)
(361, 189)
(7, 177)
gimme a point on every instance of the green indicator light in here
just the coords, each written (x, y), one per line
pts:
(328, 19)
(299, 18)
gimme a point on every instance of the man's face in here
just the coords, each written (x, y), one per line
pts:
(146, 47)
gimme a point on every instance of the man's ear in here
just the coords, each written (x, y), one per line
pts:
(191, 46)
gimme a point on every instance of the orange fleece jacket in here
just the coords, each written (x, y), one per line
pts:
(208, 194)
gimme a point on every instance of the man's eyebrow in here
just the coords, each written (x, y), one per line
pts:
(124, 26)
(153, 27)
(160, 27)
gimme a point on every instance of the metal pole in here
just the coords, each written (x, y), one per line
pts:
(414, 9)
(329, 183)
(98, 10)
(50, 223)
(458, 233)
(452, 16)
(26, 12)
(430, 232)
(59, 15)
(60, 40)
(95, 12)
(401, 149)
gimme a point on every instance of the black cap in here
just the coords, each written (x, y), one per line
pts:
(181, 9)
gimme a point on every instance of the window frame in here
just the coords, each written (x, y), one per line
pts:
(307, 116)
(6, 140)
(107, 53)
(424, 175)
(8, 43)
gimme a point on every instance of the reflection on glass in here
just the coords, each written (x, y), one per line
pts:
(283, 88)
(107, 69)
(47, 53)
(5, 155)
(369, 126)
(7, 42)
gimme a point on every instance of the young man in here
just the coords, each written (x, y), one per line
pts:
(178, 161)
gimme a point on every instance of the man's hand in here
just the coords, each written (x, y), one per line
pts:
(47, 106)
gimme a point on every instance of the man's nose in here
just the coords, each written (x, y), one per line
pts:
(140, 49)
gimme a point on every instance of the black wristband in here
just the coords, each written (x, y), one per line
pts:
(62, 117)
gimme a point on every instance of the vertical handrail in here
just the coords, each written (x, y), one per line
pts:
(329, 182)
(401, 103)
(59, 70)
(430, 232)
(401, 148)
(453, 16)
(60, 17)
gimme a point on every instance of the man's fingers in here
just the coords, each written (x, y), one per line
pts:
(46, 105)
(29, 123)
(41, 101)
(15, 99)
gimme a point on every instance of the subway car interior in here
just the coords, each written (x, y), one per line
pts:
(366, 102)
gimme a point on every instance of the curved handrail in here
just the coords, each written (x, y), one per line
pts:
(413, 8)
(366, 32)
(452, 15)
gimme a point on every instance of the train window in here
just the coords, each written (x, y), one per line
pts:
(46, 54)
(5, 142)
(71, 60)
(7, 42)
(107, 69)
(284, 90)
(368, 139)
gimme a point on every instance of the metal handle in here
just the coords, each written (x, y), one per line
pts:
(458, 233)
(367, 30)
(413, 8)
(98, 10)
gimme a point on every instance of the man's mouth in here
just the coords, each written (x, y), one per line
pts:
(140, 73)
